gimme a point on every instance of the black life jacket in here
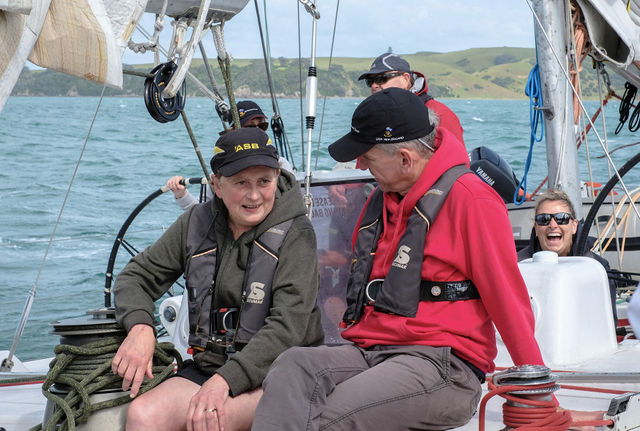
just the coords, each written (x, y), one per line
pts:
(400, 291)
(425, 97)
(201, 274)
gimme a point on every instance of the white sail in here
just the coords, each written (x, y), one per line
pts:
(85, 38)
(20, 25)
(614, 31)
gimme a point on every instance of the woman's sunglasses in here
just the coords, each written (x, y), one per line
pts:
(545, 219)
(382, 78)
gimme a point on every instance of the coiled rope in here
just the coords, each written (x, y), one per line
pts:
(86, 370)
(625, 105)
(539, 415)
(533, 89)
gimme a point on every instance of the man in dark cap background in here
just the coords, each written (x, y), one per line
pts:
(433, 270)
(390, 70)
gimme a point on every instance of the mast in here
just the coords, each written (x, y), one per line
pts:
(553, 49)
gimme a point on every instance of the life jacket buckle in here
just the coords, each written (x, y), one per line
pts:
(372, 289)
(224, 319)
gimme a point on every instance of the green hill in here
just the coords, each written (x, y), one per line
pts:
(486, 73)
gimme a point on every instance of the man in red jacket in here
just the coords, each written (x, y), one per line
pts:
(434, 269)
(390, 70)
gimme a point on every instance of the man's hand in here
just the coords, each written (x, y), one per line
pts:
(134, 358)
(206, 410)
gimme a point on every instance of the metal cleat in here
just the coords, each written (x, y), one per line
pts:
(526, 376)
(624, 410)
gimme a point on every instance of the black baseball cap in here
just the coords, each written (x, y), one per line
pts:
(248, 110)
(386, 63)
(389, 116)
(241, 149)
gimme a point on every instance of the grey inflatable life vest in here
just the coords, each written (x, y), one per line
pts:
(400, 290)
(201, 274)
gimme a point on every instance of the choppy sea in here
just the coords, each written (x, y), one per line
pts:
(129, 155)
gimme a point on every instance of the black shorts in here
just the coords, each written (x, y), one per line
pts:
(190, 371)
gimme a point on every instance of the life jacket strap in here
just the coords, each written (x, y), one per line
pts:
(432, 290)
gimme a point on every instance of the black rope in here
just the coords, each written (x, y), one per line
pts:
(634, 120)
(625, 105)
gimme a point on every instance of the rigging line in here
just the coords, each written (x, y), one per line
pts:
(274, 100)
(207, 67)
(546, 36)
(70, 238)
(266, 30)
(584, 137)
(32, 293)
(300, 82)
(277, 125)
(267, 60)
(324, 101)
(214, 85)
(194, 142)
(599, 75)
(618, 148)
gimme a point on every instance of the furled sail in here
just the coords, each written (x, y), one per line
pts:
(614, 31)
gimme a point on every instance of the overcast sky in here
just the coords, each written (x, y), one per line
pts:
(368, 28)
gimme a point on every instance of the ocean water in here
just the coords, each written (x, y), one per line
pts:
(129, 155)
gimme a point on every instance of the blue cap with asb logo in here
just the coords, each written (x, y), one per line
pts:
(241, 149)
(389, 116)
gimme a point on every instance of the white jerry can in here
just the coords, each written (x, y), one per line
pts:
(572, 307)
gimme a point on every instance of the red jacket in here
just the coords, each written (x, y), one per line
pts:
(448, 119)
(471, 239)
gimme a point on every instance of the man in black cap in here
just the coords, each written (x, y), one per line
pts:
(250, 116)
(390, 70)
(433, 270)
(250, 264)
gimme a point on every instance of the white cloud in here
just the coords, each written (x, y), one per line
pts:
(365, 29)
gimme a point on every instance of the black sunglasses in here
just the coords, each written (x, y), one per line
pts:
(560, 218)
(264, 126)
(382, 78)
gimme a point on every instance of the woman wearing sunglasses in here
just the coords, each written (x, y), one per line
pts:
(555, 228)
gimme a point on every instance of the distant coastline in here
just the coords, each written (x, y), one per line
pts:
(478, 73)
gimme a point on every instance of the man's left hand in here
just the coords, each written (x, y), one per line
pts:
(206, 409)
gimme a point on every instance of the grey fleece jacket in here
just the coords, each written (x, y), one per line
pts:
(294, 318)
